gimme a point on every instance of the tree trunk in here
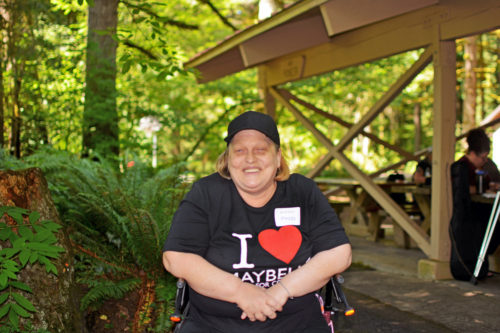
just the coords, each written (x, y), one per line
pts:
(15, 139)
(3, 62)
(417, 120)
(54, 297)
(2, 110)
(482, 65)
(469, 116)
(100, 118)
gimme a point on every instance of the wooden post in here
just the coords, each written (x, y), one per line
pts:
(267, 98)
(438, 266)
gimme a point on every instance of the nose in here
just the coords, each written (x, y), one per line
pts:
(250, 158)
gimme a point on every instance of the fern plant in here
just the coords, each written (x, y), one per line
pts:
(119, 220)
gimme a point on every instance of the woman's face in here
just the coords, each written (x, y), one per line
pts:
(478, 159)
(252, 162)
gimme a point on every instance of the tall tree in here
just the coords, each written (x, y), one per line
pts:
(470, 82)
(100, 118)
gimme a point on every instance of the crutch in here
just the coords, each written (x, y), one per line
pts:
(487, 238)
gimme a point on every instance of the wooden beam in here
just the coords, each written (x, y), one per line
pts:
(320, 166)
(307, 32)
(346, 124)
(267, 98)
(392, 93)
(469, 18)
(387, 203)
(396, 35)
(305, 122)
(255, 30)
(384, 200)
(228, 63)
(344, 15)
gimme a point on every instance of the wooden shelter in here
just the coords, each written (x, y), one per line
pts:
(312, 37)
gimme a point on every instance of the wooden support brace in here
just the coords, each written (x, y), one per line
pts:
(392, 93)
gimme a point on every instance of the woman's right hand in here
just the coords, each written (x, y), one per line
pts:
(256, 303)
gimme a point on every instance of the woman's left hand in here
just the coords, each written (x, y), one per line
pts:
(278, 293)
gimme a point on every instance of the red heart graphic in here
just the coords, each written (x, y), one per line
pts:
(282, 244)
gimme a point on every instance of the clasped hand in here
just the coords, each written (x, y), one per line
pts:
(258, 303)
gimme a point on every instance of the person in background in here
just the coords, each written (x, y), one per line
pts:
(470, 218)
(253, 242)
(491, 170)
(423, 171)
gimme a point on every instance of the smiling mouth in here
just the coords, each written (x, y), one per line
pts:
(251, 170)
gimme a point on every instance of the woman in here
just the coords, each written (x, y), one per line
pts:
(253, 242)
(470, 218)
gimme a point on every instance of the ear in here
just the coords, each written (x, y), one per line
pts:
(278, 156)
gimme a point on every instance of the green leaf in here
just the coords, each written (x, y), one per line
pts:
(42, 234)
(11, 265)
(49, 267)
(17, 216)
(3, 297)
(24, 257)
(33, 257)
(11, 275)
(21, 286)
(3, 209)
(9, 252)
(26, 232)
(126, 66)
(20, 311)
(23, 301)
(37, 246)
(50, 254)
(13, 318)
(5, 233)
(50, 225)
(33, 217)
(3, 281)
(4, 309)
(19, 243)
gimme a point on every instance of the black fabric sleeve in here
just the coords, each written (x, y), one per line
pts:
(461, 191)
(189, 231)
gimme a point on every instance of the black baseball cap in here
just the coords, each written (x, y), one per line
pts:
(253, 120)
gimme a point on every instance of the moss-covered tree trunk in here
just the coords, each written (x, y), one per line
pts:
(55, 297)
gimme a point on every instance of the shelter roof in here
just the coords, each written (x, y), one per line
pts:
(303, 25)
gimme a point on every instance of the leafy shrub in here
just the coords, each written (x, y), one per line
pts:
(26, 239)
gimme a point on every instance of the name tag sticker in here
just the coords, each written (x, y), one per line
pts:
(287, 216)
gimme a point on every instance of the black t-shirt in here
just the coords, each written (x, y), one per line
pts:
(259, 245)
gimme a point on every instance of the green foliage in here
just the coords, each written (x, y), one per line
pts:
(118, 219)
(106, 289)
(26, 240)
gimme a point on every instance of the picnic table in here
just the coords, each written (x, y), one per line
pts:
(363, 216)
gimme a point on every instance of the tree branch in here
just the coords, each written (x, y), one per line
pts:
(217, 12)
(165, 20)
(149, 54)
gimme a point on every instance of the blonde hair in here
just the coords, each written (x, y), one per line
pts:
(283, 172)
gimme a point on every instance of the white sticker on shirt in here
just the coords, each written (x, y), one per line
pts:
(287, 216)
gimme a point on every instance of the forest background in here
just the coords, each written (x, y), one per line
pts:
(95, 94)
